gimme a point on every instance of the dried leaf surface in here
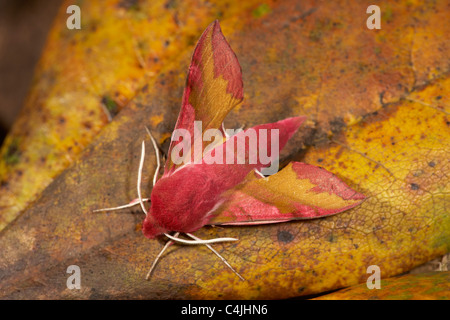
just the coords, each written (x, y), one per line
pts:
(381, 125)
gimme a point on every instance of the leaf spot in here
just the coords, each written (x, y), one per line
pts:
(414, 186)
(285, 236)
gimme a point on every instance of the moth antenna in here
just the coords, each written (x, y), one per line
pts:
(131, 204)
(235, 131)
(227, 136)
(259, 173)
(200, 241)
(217, 254)
(168, 243)
(158, 160)
(141, 165)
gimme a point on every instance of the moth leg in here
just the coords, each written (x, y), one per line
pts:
(158, 160)
(195, 242)
(168, 244)
(129, 205)
(217, 254)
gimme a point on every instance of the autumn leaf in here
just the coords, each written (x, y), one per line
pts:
(85, 77)
(378, 119)
(424, 286)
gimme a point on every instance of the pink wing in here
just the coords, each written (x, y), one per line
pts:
(214, 87)
(184, 200)
(299, 191)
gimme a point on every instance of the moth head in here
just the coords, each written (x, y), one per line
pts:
(150, 228)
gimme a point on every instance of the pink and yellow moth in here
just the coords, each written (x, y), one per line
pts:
(229, 194)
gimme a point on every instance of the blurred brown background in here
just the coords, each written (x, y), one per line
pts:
(23, 31)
